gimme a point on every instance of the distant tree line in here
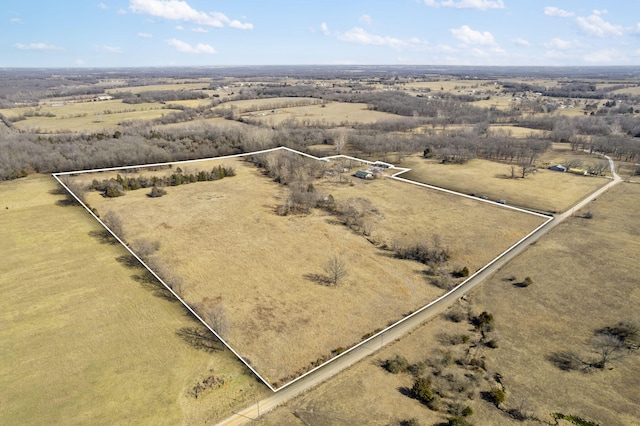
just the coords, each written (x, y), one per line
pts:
(160, 96)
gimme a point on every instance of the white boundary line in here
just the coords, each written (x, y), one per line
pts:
(326, 159)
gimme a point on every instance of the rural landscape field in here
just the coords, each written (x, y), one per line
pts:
(304, 215)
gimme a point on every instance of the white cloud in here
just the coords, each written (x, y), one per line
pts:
(559, 44)
(595, 25)
(111, 49)
(554, 11)
(467, 4)
(16, 21)
(179, 28)
(183, 47)
(468, 36)
(145, 35)
(360, 36)
(324, 28)
(122, 12)
(200, 30)
(366, 19)
(103, 6)
(80, 62)
(522, 42)
(38, 46)
(181, 11)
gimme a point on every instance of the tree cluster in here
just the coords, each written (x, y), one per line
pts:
(116, 187)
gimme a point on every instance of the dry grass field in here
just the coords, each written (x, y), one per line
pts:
(231, 249)
(82, 340)
(332, 113)
(517, 131)
(545, 190)
(84, 116)
(589, 280)
(453, 85)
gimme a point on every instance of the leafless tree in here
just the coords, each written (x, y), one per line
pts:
(336, 269)
(144, 248)
(114, 223)
(607, 346)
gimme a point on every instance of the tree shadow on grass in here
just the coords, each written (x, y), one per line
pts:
(200, 338)
(150, 282)
(128, 260)
(103, 236)
(318, 279)
(405, 391)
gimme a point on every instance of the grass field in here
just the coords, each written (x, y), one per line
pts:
(224, 239)
(545, 190)
(336, 113)
(82, 341)
(85, 116)
(588, 281)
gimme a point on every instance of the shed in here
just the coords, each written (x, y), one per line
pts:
(363, 174)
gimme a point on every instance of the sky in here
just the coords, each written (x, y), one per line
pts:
(141, 33)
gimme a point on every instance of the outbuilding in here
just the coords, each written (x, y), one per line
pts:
(558, 168)
(363, 174)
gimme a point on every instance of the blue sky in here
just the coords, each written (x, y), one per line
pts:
(135, 33)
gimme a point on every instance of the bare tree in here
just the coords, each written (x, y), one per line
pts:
(144, 248)
(114, 223)
(336, 269)
(216, 317)
(606, 346)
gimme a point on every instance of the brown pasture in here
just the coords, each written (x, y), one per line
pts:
(231, 249)
(545, 190)
(83, 340)
(584, 278)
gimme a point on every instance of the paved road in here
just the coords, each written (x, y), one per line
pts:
(409, 323)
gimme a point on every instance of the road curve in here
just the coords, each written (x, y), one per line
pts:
(409, 323)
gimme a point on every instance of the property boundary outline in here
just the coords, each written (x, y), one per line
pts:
(394, 176)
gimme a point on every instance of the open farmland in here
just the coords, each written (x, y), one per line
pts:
(83, 340)
(590, 267)
(545, 190)
(83, 116)
(331, 113)
(264, 271)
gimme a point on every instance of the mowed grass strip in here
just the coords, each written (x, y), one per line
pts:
(81, 340)
(230, 248)
(545, 190)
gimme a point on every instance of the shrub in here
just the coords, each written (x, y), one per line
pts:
(458, 421)
(483, 322)
(417, 369)
(422, 391)
(461, 273)
(456, 314)
(114, 189)
(157, 192)
(527, 282)
(395, 365)
(497, 396)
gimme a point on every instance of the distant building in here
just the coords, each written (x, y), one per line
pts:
(558, 168)
(382, 165)
(363, 174)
